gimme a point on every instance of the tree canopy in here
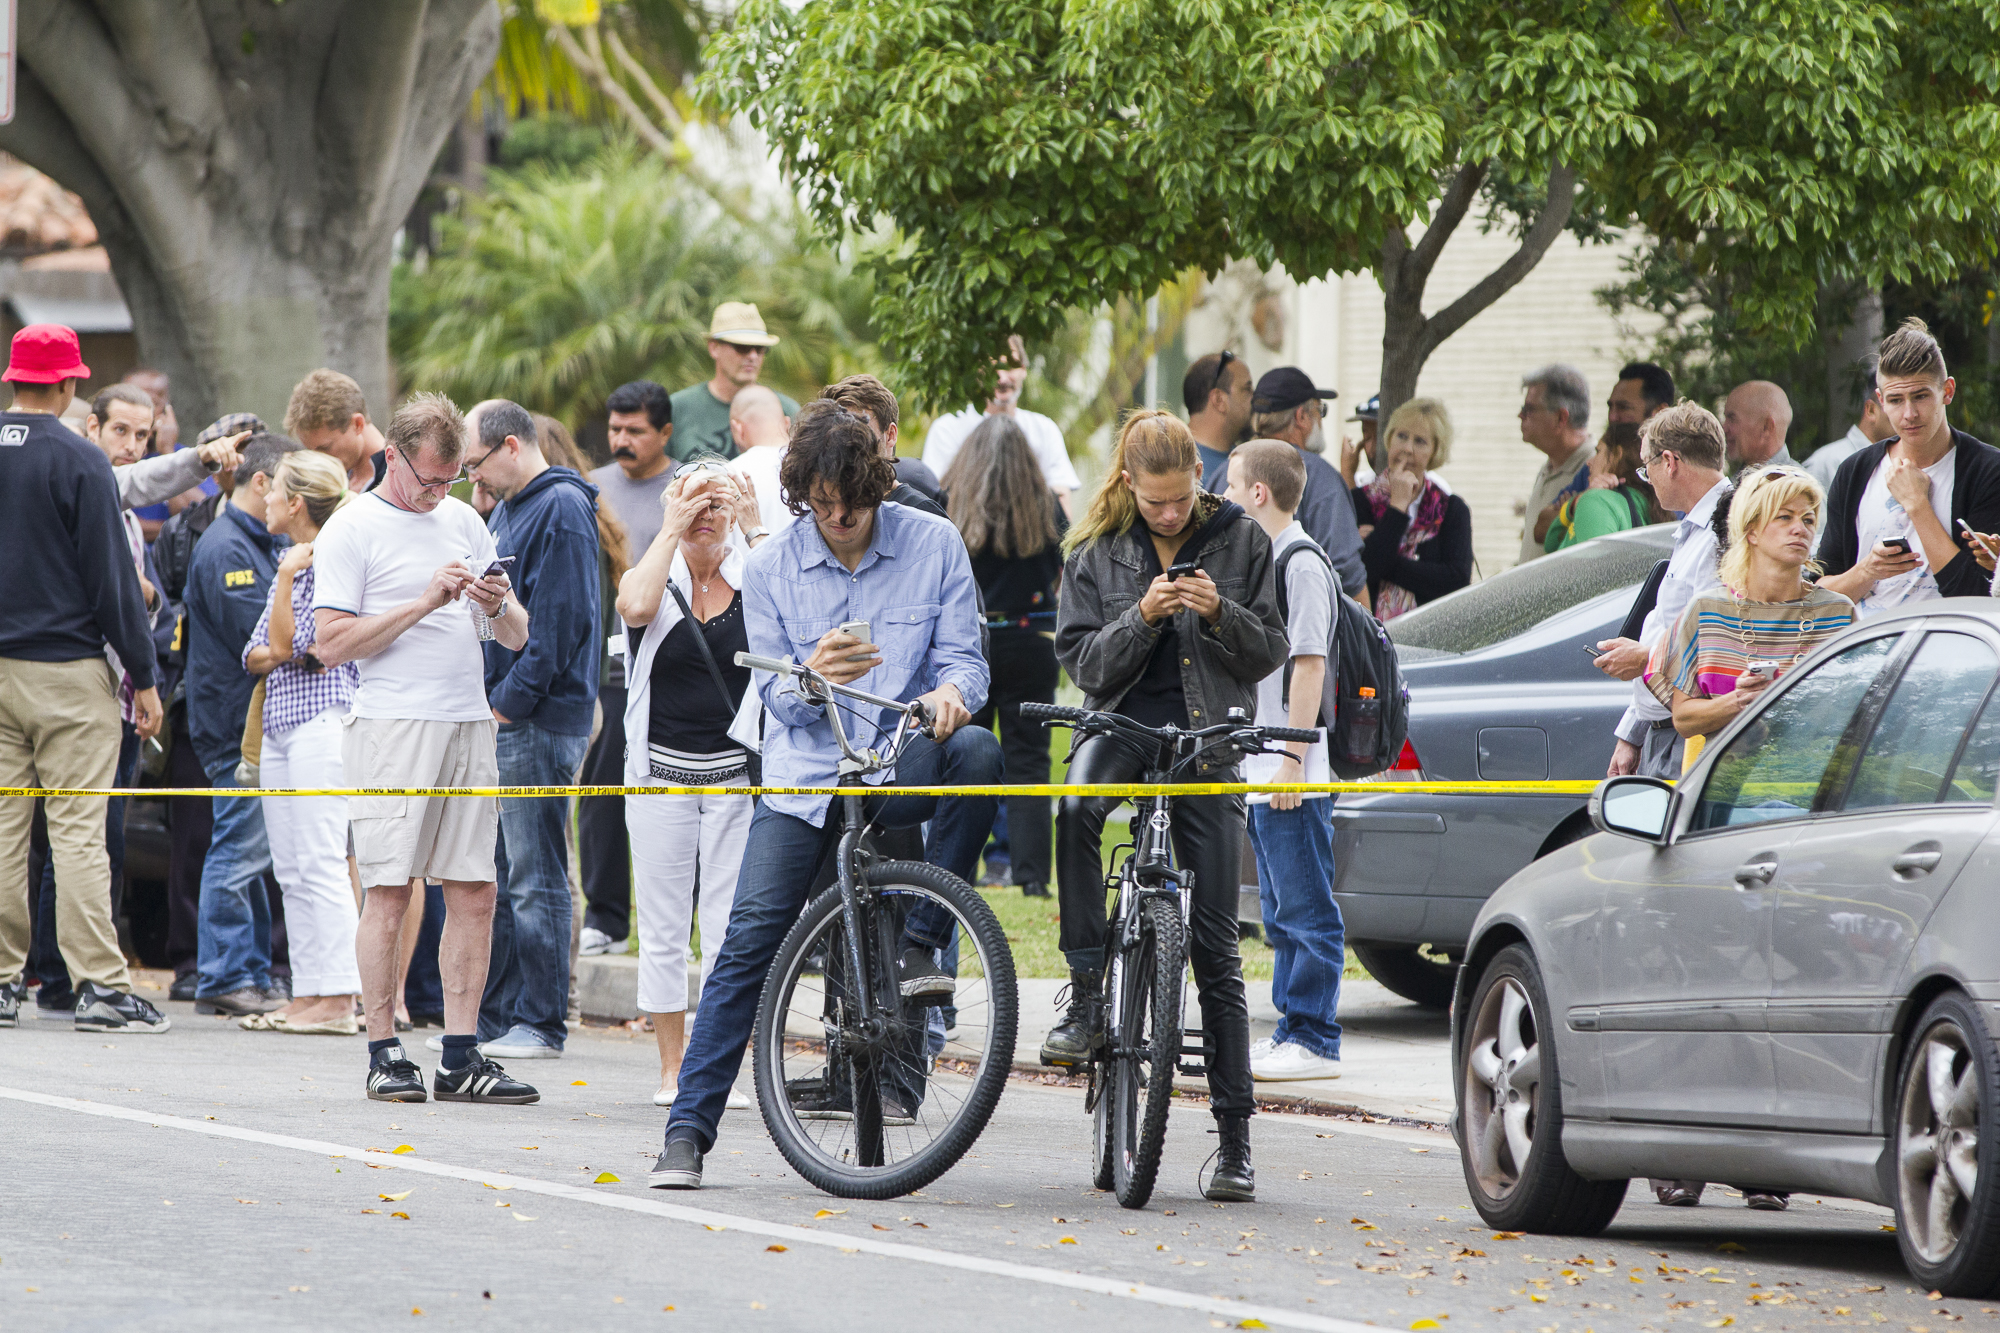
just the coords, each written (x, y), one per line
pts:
(1036, 155)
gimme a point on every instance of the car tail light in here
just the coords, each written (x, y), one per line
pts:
(1407, 768)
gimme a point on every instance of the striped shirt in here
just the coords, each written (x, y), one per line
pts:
(1717, 636)
(293, 692)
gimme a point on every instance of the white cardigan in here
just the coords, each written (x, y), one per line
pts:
(639, 670)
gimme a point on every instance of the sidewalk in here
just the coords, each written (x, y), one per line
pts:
(1395, 1056)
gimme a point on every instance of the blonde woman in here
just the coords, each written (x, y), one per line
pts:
(1733, 641)
(682, 605)
(1165, 651)
(1416, 540)
(305, 705)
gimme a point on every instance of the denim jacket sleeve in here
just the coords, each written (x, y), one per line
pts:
(1102, 658)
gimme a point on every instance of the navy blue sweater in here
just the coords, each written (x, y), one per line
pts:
(71, 585)
(229, 581)
(551, 527)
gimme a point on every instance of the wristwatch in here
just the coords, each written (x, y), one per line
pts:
(496, 615)
(750, 535)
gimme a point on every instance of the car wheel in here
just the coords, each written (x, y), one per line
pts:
(1408, 973)
(1947, 1203)
(1510, 1111)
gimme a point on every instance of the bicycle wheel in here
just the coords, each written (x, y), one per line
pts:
(1145, 1049)
(873, 1112)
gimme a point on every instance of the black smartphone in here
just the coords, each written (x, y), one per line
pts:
(1184, 567)
(1901, 544)
(1592, 651)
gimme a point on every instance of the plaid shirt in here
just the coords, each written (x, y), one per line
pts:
(292, 692)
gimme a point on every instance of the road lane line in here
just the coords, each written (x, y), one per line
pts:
(1237, 1311)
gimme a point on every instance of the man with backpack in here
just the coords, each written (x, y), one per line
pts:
(1292, 834)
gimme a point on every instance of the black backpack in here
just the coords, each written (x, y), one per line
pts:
(1364, 732)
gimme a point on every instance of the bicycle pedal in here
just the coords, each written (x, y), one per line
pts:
(1063, 1064)
(1192, 1070)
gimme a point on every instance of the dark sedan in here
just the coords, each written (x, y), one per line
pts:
(1500, 689)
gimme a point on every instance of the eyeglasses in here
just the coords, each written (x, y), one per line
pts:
(741, 350)
(475, 464)
(426, 483)
(1642, 470)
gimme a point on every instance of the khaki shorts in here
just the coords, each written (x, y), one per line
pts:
(401, 838)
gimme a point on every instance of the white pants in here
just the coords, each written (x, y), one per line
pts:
(668, 834)
(309, 853)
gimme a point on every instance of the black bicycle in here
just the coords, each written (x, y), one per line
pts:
(871, 1086)
(1144, 1043)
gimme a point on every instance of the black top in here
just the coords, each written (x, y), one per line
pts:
(1975, 497)
(686, 713)
(1157, 698)
(912, 472)
(1021, 590)
(1443, 564)
(71, 585)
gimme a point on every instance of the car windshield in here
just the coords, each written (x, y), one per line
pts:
(1518, 599)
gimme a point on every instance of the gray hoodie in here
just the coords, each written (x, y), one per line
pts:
(1104, 643)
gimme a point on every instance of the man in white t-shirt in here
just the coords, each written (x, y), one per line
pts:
(1044, 436)
(1291, 834)
(761, 430)
(1893, 528)
(398, 577)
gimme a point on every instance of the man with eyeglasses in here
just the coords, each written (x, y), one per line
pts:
(398, 574)
(1216, 393)
(1682, 448)
(737, 341)
(1555, 415)
(543, 697)
(1045, 438)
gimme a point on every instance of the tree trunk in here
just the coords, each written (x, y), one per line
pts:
(1408, 335)
(248, 165)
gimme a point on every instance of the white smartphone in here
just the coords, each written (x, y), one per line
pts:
(1757, 669)
(1978, 540)
(859, 629)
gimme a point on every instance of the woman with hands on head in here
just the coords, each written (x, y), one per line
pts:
(682, 605)
(1416, 540)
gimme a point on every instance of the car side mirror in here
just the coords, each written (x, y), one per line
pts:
(1633, 806)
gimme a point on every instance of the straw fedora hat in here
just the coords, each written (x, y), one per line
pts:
(738, 322)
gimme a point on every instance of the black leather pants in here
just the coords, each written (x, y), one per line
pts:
(1208, 839)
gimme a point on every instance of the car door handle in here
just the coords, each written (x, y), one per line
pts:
(1916, 862)
(1755, 872)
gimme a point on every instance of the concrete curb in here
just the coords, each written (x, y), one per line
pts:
(1267, 1096)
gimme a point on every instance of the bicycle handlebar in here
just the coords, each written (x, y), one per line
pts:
(1085, 718)
(1052, 712)
(1291, 733)
(914, 711)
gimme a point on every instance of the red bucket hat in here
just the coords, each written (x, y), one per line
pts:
(46, 354)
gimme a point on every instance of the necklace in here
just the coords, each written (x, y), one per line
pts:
(1804, 630)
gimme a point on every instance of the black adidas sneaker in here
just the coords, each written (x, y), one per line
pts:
(482, 1080)
(394, 1077)
(101, 1009)
(11, 995)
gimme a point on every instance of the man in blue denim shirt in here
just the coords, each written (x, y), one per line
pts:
(908, 576)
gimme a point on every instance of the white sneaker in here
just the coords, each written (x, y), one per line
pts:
(665, 1096)
(1291, 1061)
(1262, 1046)
(594, 941)
(521, 1043)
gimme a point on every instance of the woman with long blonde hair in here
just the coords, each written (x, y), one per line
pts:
(1160, 650)
(1731, 643)
(997, 498)
(305, 705)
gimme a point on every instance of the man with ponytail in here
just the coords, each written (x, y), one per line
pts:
(1165, 651)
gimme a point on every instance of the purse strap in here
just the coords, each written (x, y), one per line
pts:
(701, 643)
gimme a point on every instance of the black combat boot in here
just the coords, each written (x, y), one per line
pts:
(1071, 1041)
(1233, 1181)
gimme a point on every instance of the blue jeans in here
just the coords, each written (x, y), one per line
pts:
(1301, 920)
(778, 864)
(527, 982)
(234, 924)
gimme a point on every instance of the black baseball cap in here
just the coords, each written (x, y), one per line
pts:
(1369, 411)
(1283, 388)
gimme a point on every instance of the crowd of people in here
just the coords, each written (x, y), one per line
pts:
(316, 610)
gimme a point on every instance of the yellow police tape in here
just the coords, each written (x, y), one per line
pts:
(1119, 789)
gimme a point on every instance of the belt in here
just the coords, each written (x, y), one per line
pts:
(1662, 724)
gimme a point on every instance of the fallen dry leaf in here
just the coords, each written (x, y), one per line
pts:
(776, 1249)
(828, 1212)
(1067, 1240)
(404, 1216)
(606, 1178)
(394, 1198)
(402, 1148)
(371, 1210)
(579, 1083)
(520, 1216)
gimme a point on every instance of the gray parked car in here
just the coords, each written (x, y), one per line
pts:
(1499, 689)
(1783, 972)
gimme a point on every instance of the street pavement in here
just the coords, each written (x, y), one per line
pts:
(216, 1179)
